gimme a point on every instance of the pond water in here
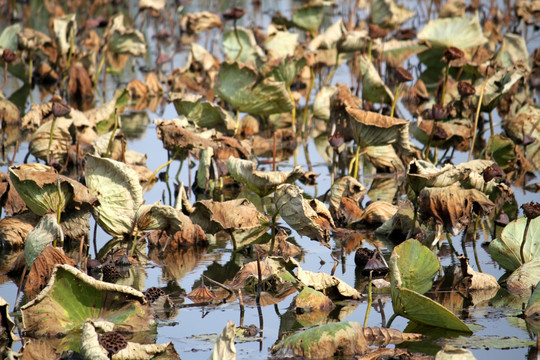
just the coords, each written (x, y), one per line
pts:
(192, 329)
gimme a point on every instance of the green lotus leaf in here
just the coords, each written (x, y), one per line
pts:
(308, 17)
(240, 86)
(414, 266)
(502, 150)
(499, 84)
(117, 188)
(43, 190)
(395, 52)
(251, 52)
(8, 38)
(373, 87)
(388, 14)
(512, 50)
(524, 278)
(532, 311)
(329, 38)
(353, 41)
(422, 309)
(281, 44)
(460, 32)
(203, 113)
(260, 182)
(506, 248)
(65, 29)
(72, 297)
(287, 70)
(46, 231)
(123, 40)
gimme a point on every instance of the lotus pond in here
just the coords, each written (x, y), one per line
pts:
(286, 179)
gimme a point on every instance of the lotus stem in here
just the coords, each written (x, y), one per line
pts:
(237, 124)
(476, 259)
(113, 133)
(94, 237)
(451, 244)
(522, 247)
(415, 216)
(443, 93)
(370, 300)
(21, 282)
(293, 112)
(331, 73)
(396, 94)
(134, 245)
(259, 281)
(30, 69)
(477, 116)
(428, 147)
(51, 139)
(100, 67)
(370, 45)
(238, 40)
(491, 127)
(391, 320)
(233, 240)
(273, 240)
(308, 96)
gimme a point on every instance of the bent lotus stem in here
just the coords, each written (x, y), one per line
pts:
(476, 259)
(396, 94)
(391, 320)
(370, 300)
(522, 247)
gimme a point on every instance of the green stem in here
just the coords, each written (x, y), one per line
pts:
(51, 139)
(477, 116)
(100, 67)
(476, 259)
(238, 40)
(449, 239)
(113, 133)
(308, 96)
(370, 301)
(443, 93)
(132, 252)
(396, 94)
(522, 247)
(293, 113)
(391, 320)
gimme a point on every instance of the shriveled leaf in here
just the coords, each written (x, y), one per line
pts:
(274, 277)
(399, 224)
(194, 23)
(384, 158)
(124, 40)
(329, 38)
(88, 299)
(346, 186)
(524, 278)
(62, 139)
(239, 85)
(500, 84)
(353, 41)
(417, 266)
(526, 122)
(46, 231)
(117, 188)
(14, 229)
(260, 182)
(475, 280)
(512, 50)
(311, 300)
(388, 14)
(6, 323)
(156, 5)
(287, 69)
(373, 129)
(224, 348)
(65, 29)
(377, 213)
(331, 285)
(308, 217)
(460, 32)
(447, 134)
(321, 105)
(453, 206)
(502, 150)
(43, 190)
(506, 248)
(395, 52)
(373, 87)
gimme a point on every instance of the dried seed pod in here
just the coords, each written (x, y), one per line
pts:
(375, 267)
(234, 13)
(110, 273)
(153, 293)
(403, 75)
(362, 256)
(437, 112)
(59, 109)
(491, 172)
(531, 210)
(465, 89)
(123, 261)
(453, 53)
(405, 34)
(201, 294)
(502, 219)
(376, 32)
(113, 342)
(528, 139)
(8, 56)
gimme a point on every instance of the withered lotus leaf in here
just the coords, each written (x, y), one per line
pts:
(7, 325)
(43, 190)
(124, 40)
(261, 182)
(345, 186)
(332, 286)
(224, 348)
(453, 206)
(194, 23)
(388, 14)
(72, 297)
(377, 213)
(310, 218)
(117, 188)
(311, 300)
(373, 87)
(62, 139)
(274, 276)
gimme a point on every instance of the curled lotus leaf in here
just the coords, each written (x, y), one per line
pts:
(281, 44)
(309, 17)
(330, 285)
(124, 40)
(7, 324)
(61, 140)
(310, 218)
(72, 297)
(384, 158)
(288, 69)
(251, 52)
(321, 105)
(447, 134)
(203, 113)
(274, 276)
(395, 52)
(345, 186)
(117, 188)
(532, 311)
(500, 84)
(459, 32)
(194, 23)
(311, 300)
(46, 231)
(506, 248)
(373, 87)
(524, 278)
(240, 86)
(353, 41)
(260, 182)
(453, 206)
(388, 14)
(329, 38)
(377, 213)
(526, 122)
(373, 129)
(224, 348)
(65, 29)
(43, 190)
(158, 217)
(512, 50)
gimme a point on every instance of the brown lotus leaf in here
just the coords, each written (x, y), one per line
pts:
(377, 213)
(214, 216)
(271, 271)
(137, 89)
(190, 234)
(10, 113)
(415, 96)
(193, 23)
(373, 129)
(285, 141)
(62, 139)
(80, 88)
(38, 114)
(452, 206)
(339, 121)
(9, 197)
(348, 212)
(385, 353)
(38, 349)
(384, 158)
(8, 261)
(174, 136)
(41, 270)
(228, 146)
(345, 187)
(349, 240)
(153, 84)
(379, 336)
(474, 280)
(249, 126)
(178, 262)
(13, 230)
(201, 294)
(281, 247)
(447, 133)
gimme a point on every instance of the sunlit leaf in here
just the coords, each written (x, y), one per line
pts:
(124, 40)
(224, 348)
(373, 87)
(388, 14)
(460, 32)
(524, 278)
(46, 231)
(251, 52)
(203, 113)
(65, 28)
